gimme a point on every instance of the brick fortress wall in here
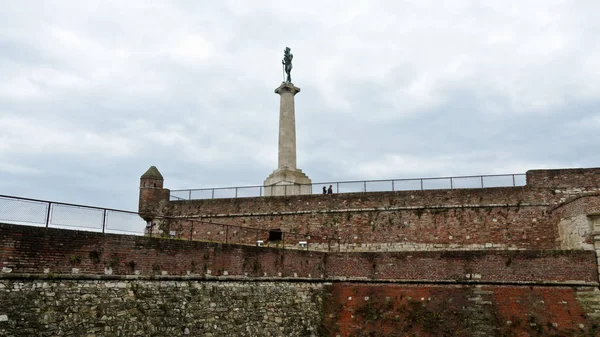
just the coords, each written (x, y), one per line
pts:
(507, 218)
(516, 261)
(151, 285)
(34, 250)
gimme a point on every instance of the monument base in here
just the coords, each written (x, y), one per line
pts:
(287, 182)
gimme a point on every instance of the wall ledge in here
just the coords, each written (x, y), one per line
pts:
(326, 280)
(351, 210)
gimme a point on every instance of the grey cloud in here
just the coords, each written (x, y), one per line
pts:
(96, 92)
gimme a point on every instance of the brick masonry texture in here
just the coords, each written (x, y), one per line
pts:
(520, 218)
(519, 261)
(424, 311)
(564, 178)
(34, 250)
(62, 283)
(451, 219)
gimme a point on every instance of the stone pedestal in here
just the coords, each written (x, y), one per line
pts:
(287, 179)
(287, 182)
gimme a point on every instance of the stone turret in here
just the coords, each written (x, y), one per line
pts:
(152, 193)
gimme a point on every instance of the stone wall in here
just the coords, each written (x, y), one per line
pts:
(101, 308)
(574, 219)
(98, 308)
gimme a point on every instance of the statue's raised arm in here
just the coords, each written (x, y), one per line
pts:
(287, 62)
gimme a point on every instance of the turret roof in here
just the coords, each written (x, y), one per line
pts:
(152, 173)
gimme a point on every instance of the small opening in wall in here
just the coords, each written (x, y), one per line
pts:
(275, 234)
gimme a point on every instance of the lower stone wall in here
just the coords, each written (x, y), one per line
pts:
(96, 308)
(481, 311)
(35, 305)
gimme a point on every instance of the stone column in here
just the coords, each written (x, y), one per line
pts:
(287, 179)
(287, 126)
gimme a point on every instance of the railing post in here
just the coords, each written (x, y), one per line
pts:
(421, 184)
(236, 192)
(48, 215)
(451, 187)
(481, 181)
(365, 185)
(190, 195)
(337, 187)
(514, 184)
(393, 186)
(104, 221)
(260, 191)
(213, 193)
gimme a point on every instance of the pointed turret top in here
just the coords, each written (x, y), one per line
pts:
(152, 173)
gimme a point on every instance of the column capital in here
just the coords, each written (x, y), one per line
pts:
(287, 87)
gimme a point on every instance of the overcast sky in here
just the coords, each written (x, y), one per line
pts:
(92, 93)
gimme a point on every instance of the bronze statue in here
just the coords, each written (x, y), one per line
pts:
(287, 63)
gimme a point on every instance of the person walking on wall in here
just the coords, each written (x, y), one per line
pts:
(330, 190)
(324, 190)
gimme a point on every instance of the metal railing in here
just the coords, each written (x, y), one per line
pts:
(51, 214)
(359, 186)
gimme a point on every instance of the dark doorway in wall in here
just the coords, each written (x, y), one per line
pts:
(275, 234)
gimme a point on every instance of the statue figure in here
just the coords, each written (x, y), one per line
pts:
(287, 63)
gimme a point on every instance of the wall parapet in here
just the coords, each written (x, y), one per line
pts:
(32, 250)
(564, 178)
